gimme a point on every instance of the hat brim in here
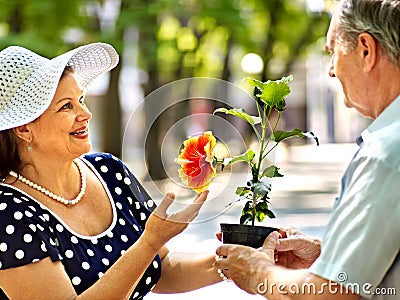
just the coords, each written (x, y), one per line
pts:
(35, 94)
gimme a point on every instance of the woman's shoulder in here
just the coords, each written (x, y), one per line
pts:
(102, 160)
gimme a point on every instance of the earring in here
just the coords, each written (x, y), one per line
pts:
(30, 148)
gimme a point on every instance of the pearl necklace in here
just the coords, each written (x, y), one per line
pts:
(52, 195)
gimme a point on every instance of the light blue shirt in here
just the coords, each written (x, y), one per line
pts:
(360, 248)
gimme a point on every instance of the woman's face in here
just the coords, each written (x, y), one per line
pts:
(62, 130)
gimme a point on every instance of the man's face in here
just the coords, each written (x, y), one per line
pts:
(348, 69)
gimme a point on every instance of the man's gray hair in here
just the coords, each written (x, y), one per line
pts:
(380, 18)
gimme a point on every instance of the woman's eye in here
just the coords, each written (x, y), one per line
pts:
(66, 106)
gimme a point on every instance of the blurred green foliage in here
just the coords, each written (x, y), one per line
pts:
(176, 38)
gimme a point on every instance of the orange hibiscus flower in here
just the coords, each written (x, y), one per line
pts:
(197, 162)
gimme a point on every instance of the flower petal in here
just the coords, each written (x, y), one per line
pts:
(196, 161)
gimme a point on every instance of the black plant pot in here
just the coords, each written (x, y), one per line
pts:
(247, 235)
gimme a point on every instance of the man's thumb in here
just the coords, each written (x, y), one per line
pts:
(270, 242)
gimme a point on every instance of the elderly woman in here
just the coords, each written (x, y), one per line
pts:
(76, 225)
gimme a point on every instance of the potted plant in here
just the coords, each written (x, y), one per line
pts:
(198, 164)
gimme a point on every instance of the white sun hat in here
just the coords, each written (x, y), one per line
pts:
(28, 81)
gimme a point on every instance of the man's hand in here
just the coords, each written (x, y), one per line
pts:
(246, 266)
(296, 250)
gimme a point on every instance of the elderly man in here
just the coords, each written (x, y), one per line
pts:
(359, 256)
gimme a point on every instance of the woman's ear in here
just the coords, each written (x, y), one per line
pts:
(368, 50)
(24, 133)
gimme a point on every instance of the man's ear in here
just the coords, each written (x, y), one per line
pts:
(368, 50)
(24, 133)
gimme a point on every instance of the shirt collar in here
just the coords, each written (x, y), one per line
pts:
(388, 116)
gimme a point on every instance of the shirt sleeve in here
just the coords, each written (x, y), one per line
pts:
(362, 239)
(24, 237)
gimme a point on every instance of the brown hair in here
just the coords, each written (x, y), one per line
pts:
(9, 156)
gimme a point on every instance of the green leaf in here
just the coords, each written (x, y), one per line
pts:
(272, 93)
(262, 211)
(242, 190)
(261, 189)
(246, 218)
(240, 112)
(271, 171)
(245, 157)
(279, 136)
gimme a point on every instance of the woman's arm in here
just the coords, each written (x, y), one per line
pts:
(184, 272)
(48, 280)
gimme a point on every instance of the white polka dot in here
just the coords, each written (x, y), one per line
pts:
(28, 214)
(142, 216)
(123, 252)
(1, 264)
(136, 228)
(122, 222)
(43, 247)
(155, 264)
(76, 280)
(130, 200)
(118, 205)
(100, 274)
(127, 181)
(46, 217)
(110, 234)
(35, 260)
(16, 200)
(85, 265)
(19, 254)
(52, 242)
(104, 169)
(32, 227)
(98, 158)
(51, 229)
(3, 247)
(108, 248)
(32, 207)
(59, 228)
(69, 254)
(150, 203)
(135, 295)
(74, 240)
(124, 238)
(148, 280)
(137, 205)
(94, 241)
(28, 238)
(18, 215)
(3, 206)
(40, 227)
(105, 261)
(90, 252)
(10, 229)
(118, 176)
(118, 191)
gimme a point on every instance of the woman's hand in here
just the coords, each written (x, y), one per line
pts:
(161, 226)
(296, 250)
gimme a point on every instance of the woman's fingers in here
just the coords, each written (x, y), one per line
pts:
(166, 202)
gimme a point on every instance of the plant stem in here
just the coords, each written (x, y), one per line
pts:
(264, 126)
(273, 131)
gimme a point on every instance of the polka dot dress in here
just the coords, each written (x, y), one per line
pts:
(30, 232)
